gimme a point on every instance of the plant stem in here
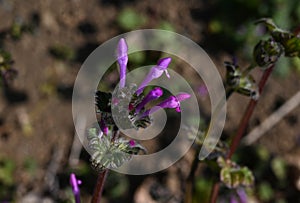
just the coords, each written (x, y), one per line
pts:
(102, 175)
(190, 179)
(195, 163)
(99, 186)
(248, 113)
(215, 191)
(242, 127)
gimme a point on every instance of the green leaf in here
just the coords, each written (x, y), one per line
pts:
(106, 153)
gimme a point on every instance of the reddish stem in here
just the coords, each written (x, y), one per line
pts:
(99, 186)
(215, 191)
(242, 127)
(245, 120)
(102, 175)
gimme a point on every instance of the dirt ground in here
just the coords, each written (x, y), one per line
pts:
(36, 126)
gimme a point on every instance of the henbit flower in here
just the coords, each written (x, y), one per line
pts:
(103, 127)
(202, 90)
(74, 183)
(152, 95)
(122, 54)
(155, 72)
(242, 195)
(173, 102)
(182, 96)
(132, 143)
(233, 199)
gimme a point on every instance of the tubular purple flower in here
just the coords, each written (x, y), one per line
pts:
(242, 195)
(132, 143)
(74, 183)
(155, 72)
(173, 102)
(202, 90)
(170, 103)
(152, 95)
(233, 200)
(182, 96)
(122, 55)
(103, 127)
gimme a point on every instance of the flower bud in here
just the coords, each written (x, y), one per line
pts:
(122, 60)
(267, 52)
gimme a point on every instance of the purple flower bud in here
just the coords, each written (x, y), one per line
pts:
(122, 55)
(74, 183)
(173, 102)
(155, 72)
(132, 143)
(233, 199)
(152, 95)
(242, 195)
(103, 127)
(202, 90)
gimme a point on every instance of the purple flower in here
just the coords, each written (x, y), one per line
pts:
(132, 143)
(122, 60)
(242, 195)
(74, 183)
(103, 127)
(155, 72)
(202, 90)
(173, 102)
(170, 103)
(152, 95)
(182, 96)
(233, 199)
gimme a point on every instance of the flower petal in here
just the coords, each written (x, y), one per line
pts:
(122, 54)
(155, 72)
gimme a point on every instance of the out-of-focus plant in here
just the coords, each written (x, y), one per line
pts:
(110, 150)
(62, 52)
(266, 54)
(7, 167)
(129, 19)
(7, 72)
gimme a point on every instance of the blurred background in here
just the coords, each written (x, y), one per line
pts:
(45, 43)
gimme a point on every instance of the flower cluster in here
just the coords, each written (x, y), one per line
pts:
(130, 99)
(127, 108)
